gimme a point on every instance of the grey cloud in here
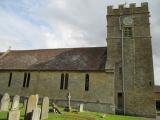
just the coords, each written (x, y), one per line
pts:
(77, 23)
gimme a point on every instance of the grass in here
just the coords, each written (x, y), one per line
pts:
(89, 116)
(86, 115)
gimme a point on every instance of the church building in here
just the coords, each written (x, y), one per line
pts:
(116, 79)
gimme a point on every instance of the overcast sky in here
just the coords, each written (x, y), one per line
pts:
(40, 24)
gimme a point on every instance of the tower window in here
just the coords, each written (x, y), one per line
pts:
(87, 82)
(150, 83)
(10, 79)
(120, 70)
(128, 32)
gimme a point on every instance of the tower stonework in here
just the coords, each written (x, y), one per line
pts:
(129, 52)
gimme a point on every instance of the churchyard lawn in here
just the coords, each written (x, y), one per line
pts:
(77, 116)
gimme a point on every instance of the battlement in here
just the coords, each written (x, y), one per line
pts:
(131, 9)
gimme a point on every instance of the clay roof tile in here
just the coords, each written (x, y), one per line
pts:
(93, 58)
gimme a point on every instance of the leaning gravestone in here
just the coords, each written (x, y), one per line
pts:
(45, 108)
(31, 104)
(15, 104)
(55, 109)
(36, 114)
(5, 102)
(14, 115)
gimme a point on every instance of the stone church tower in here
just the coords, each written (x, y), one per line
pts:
(129, 51)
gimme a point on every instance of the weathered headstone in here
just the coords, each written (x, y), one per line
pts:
(14, 115)
(15, 104)
(37, 97)
(25, 103)
(36, 114)
(68, 107)
(31, 104)
(5, 102)
(45, 108)
(81, 108)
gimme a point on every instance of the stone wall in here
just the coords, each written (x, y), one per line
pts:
(157, 95)
(100, 96)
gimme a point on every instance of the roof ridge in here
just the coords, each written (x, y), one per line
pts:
(58, 49)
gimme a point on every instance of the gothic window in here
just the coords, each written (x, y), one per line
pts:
(10, 79)
(128, 32)
(87, 82)
(26, 80)
(66, 81)
(62, 81)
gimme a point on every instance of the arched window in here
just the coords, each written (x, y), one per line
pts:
(10, 79)
(66, 81)
(62, 81)
(87, 82)
(24, 81)
(28, 80)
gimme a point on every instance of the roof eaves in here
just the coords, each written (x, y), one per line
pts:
(51, 70)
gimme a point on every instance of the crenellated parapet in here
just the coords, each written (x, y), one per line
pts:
(131, 9)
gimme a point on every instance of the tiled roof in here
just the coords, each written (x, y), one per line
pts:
(93, 58)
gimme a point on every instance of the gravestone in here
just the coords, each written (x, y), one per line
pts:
(14, 115)
(31, 104)
(15, 104)
(81, 108)
(68, 107)
(56, 109)
(36, 114)
(37, 97)
(25, 103)
(45, 108)
(53, 106)
(5, 102)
